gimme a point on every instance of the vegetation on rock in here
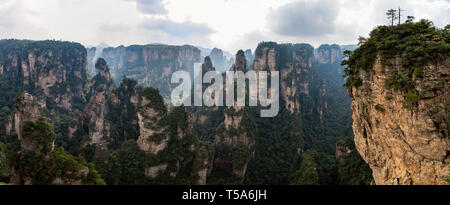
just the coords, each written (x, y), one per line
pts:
(416, 43)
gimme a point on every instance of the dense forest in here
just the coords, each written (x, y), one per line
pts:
(128, 134)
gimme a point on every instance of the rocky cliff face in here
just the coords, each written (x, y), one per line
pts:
(150, 65)
(25, 110)
(312, 107)
(297, 79)
(207, 119)
(169, 137)
(90, 59)
(54, 72)
(328, 54)
(249, 57)
(219, 60)
(93, 54)
(236, 132)
(39, 162)
(153, 130)
(403, 136)
(97, 108)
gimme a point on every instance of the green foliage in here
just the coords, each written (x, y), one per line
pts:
(378, 107)
(68, 168)
(418, 72)
(124, 163)
(284, 52)
(101, 65)
(448, 179)
(353, 81)
(156, 100)
(4, 164)
(122, 116)
(208, 129)
(392, 14)
(399, 80)
(417, 43)
(407, 107)
(60, 165)
(277, 143)
(19, 97)
(45, 167)
(411, 97)
(231, 157)
(352, 170)
(309, 172)
(39, 132)
(279, 140)
(32, 165)
(125, 166)
(411, 100)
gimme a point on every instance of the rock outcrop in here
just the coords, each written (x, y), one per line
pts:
(54, 72)
(328, 54)
(153, 136)
(297, 79)
(150, 65)
(96, 110)
(249, 57)
(236, 134)
(207, 119)
(169, 137)
(25, 110)
(405, 141)
(39, 162)
(219, 60)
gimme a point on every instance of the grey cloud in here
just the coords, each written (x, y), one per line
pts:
(151, 6)
(248, 40)
(312, 18)
(13, 24)
(184, 29)
(114, 28)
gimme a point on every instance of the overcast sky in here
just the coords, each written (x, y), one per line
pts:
(227, 24)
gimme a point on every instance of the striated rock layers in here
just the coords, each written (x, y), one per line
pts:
(169, 137)
(150, 65)
(97, 108)
(54, 72)
(328, 54)
(236, 135)
(136, 120)
(403, 136)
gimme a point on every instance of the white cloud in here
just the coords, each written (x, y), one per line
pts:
(226, 24)
(179, 29)
(14, 24)
(304, 18)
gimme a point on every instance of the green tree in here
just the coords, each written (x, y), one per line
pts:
(309, 172)
(352, 169)
(410, 19)
(392, 15)
(4, 164)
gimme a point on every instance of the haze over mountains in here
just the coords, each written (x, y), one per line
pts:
(97, 116)
(363, 92)
(118, 122)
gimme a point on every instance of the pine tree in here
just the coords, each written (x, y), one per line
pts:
(392, 15)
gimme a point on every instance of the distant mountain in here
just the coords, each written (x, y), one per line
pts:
(350, 47)
(150, 65)
(222, 60)
(119, 115)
